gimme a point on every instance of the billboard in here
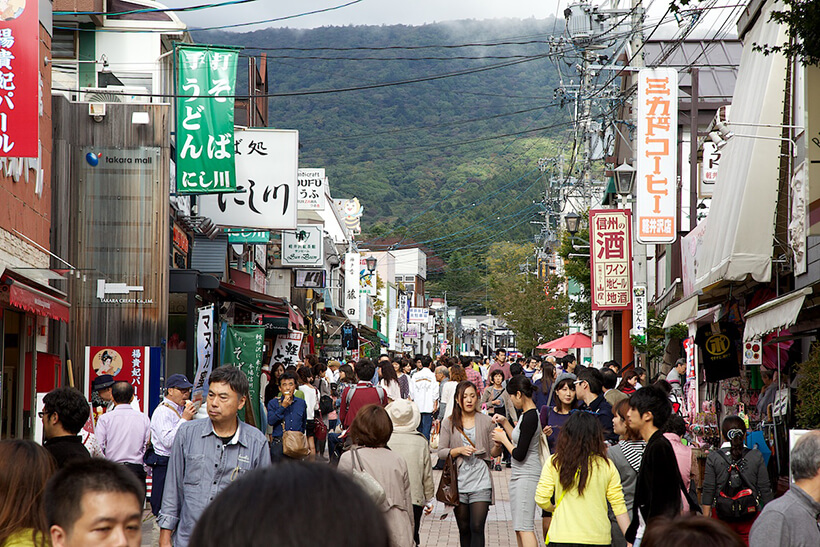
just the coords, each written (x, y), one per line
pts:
(20, 91)
(610, 253)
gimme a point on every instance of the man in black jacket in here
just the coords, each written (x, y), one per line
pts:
(64, 414)
(658, 489)
(589, 389)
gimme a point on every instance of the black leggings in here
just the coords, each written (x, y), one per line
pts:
(471, 519)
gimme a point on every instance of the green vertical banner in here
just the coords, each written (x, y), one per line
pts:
(206, 87)
(243, 348)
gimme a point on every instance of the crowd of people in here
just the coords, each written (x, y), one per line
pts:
(349, 451)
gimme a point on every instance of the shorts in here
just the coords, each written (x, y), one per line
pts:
(481, 495)
(310, 426)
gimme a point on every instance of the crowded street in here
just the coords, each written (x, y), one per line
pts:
(409, 274)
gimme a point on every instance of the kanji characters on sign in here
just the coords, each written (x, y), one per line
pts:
(610, 240)
(19, 84)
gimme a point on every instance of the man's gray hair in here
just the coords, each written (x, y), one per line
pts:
(805, 457)
(444, 371)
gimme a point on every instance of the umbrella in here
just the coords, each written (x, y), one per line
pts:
(574, 340)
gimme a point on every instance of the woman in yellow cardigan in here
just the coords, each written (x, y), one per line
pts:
(577, 483)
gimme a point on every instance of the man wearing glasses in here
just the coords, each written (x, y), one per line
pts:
(173, 411)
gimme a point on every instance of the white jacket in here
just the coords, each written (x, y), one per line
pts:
(424, 389)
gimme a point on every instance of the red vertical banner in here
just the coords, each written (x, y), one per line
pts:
(610, 254)
(125, 363)
(19, 79)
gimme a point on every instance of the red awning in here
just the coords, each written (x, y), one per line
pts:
(35, 301)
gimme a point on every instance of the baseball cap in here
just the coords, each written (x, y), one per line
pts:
(178, 381)
(101, 382)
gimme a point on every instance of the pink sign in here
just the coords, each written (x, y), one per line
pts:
(610, 245)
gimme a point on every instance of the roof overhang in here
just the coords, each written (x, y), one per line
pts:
(777, 314)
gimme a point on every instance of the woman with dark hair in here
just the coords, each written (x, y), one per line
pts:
(389, 381)
(311, 405)
(346, 376)
(626, 456)
(522, 442)
(467, 436)
(326, 505)
(555, 416)
(543, 386)
(25, 468)
(369, 432)
(403, 379)
(272, 389)
(629, 382)
(583, 481)
(498, 403)
(642, 380)
(687, 530)
(750, 471)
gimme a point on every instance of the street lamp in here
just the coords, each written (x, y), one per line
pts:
(371, 263)
(573, 222)
(624, 179)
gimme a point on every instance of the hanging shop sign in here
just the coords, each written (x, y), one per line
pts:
(248, 236)
(130, 364)
(418, 315)
(367, 279)
(753, 352)
(310, 279)
(657, 151)
(709, 169)
(352, 283)
(304, 247)
(205, 110)
(243, 349)
(610, 242)
(352, 211)
(20, 92)
(689, 350)
(639, 321)
(204, 353)
(266, 163)
(286, 349)
(311, 186)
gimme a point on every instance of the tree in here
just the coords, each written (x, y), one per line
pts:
(577, 269)
(536, 310)
(654, 343)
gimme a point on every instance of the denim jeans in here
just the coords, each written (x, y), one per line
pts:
(426, 424)
(332, 442)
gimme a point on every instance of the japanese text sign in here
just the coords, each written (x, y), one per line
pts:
(610, 246)
(204, 353)
(311, 185)
(205, 101)
(657, 151)
(304, 247)
(352, 286)
(286, 349)
(367, 279)
(248, 236)
(19, 80)
(266, 165)
(709, 169)
(125, 364)
(418, 315)
(243, 349)
(639, 319)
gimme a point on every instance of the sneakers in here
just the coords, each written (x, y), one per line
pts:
(497, 467)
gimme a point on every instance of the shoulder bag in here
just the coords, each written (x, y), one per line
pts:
(447, 491)
(371, 487)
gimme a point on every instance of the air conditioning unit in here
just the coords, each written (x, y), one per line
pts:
(115, 94)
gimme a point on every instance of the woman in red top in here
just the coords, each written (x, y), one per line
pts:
(628, 382)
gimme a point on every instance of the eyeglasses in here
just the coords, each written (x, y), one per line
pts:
(44, 413)
(577, 382)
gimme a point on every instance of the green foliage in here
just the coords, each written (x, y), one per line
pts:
(578, 269)
(654, 344)
(808, 391)
(536, 310)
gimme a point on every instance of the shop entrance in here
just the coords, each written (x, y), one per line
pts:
(11, 365)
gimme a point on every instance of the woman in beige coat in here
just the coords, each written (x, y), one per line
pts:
(370, 431)
(411, 445)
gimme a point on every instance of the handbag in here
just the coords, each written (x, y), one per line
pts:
(447, 491)
(295, 445)
(371, 487)
(543, 448)
(320, 429)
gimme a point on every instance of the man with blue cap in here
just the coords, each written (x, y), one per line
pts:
(174, 409)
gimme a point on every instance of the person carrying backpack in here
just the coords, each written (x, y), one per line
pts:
(735, 482)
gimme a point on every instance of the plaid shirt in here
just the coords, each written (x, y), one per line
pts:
(475, 377)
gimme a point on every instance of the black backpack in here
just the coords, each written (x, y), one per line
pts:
(737, 500)
(325, 405)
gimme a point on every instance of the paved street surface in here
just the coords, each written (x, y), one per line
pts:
(435, 531)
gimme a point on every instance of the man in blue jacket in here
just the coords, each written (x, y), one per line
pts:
(285, 413)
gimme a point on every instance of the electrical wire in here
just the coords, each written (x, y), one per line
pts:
(156, 10)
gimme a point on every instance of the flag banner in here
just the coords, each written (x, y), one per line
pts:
(243, 349)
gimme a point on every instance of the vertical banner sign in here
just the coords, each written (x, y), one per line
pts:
(657, 150)
(204, 353)
(286, 350)
(709, 169)
(311, 185)
(689, 350)
(610, 241)
(19, 84)
(639, 320)
(205, 101)
(351, 300)
(243, 349)
(265, 198)
(367, 280)
(130, 364)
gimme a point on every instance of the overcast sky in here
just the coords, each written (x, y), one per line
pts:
(391, 12)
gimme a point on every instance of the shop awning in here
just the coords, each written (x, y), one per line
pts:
(681, 311)
(780, 313)
(27, 295)
(262, 302)
(740, 232)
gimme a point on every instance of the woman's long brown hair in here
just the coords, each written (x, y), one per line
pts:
(580, 444)
(25, 468)
(455, 417)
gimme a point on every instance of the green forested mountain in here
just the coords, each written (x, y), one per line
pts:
(448, 162)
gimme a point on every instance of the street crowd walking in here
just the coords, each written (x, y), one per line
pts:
(584, 471)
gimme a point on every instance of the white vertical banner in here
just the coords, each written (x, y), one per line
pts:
(657, 156)
(639, 321)
(352, 286)
(204, 352)
(311, 186)
(709, 169)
